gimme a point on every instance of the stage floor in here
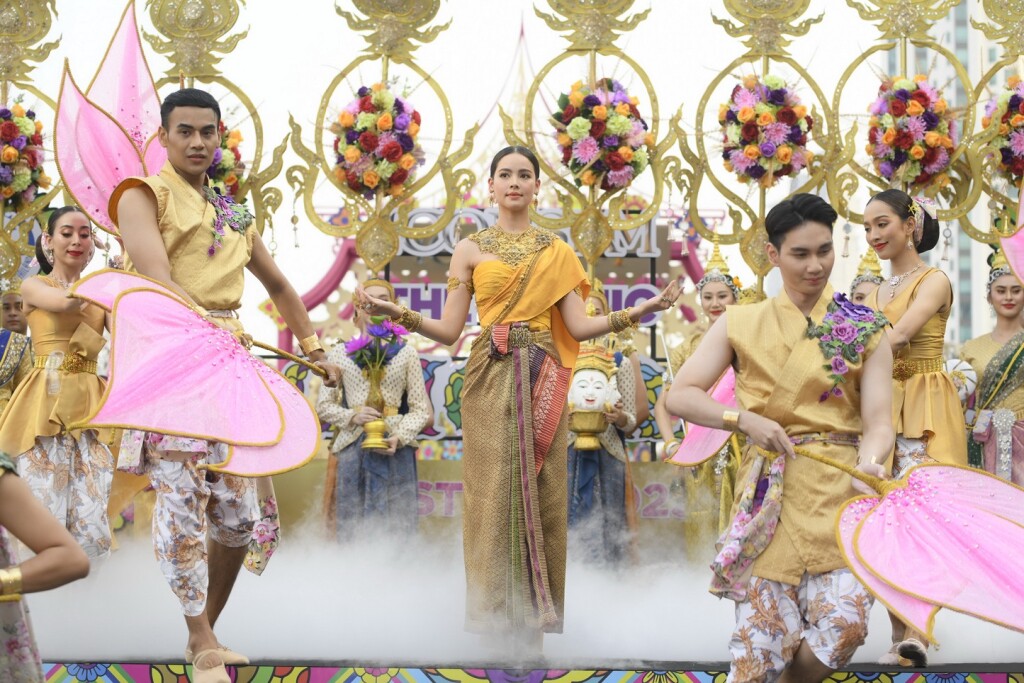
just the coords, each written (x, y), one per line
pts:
(346, 673)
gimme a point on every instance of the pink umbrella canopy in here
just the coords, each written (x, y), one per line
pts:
(943, 537)
(174, 372)
(109, 133)
(700, 442)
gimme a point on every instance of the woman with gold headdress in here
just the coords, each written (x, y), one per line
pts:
(373, 491)
(530, 291)
(869, 276)
(15, 347)
(708, 487)
(600, 486)
(996, 441)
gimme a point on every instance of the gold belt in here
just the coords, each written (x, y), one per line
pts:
(903, 369)
(73, 363)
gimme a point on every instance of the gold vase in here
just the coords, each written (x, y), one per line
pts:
(376, 430)
(588, 425)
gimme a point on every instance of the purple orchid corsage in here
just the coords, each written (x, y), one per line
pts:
(228, 212)
(842, 337)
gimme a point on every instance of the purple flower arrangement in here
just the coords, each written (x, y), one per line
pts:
(764, 131)
(226, 170)
(376, 149)
(21, 156)
(912, 133)
(842, 337)
(603, 138)
(382, 342)
(1007, 111)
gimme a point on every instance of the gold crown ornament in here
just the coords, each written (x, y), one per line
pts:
(596, 292)
(10, 285)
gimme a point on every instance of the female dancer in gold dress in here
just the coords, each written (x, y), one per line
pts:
(530, 290)
(917, 300)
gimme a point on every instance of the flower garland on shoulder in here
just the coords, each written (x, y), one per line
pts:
(226, 171)
(376, 144)
(842, 337)
(1007, 110)
(912, 132)
(21, 156)
(604, 139)
(764, 131)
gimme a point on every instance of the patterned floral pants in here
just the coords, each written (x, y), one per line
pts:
(72, 477)
(189, 504)
(830, 611)
(909, 452)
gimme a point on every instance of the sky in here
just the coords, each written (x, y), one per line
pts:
(289, 58)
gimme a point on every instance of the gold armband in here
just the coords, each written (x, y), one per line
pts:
(731, 420)
(619, 321)
(410, 320)
(310, 344)
(454, 283)
(10, 581)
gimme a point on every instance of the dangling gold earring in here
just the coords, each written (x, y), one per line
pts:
(492, 200)
(536, 203)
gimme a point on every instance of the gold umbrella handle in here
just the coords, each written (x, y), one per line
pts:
(301, 361)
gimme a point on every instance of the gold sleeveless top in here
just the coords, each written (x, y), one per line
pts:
(925, 402)
(33, 411)
(186, 220)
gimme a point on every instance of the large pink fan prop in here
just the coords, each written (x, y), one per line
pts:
(109, 133)
(164, 356)
(700, 442)
(944, 537)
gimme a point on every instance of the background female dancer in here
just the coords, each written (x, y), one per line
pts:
(69, 471)
(368, 486)
(926, 408)
(530, 290)
(996, 441)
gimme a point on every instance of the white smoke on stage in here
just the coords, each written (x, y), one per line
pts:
(402, 604)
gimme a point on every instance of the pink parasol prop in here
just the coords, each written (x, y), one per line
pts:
(943, 537)
(165, 355)
(701, 443)
(110, 135)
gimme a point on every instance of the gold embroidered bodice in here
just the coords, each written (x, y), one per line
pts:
(512, 248)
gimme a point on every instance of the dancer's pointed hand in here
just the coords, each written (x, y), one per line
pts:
(373, 306)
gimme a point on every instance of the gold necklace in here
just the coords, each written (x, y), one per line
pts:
(512, 248)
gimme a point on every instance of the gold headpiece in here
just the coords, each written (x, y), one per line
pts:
(717, 261)
(717, 270)
(595, 356)
(10, 285)
(998, 267)
(869, 264)
(999, 261)
(596, 292)
(378, 282)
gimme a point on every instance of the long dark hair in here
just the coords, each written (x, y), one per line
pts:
(51, 223)
(902, 205)
(516, 149)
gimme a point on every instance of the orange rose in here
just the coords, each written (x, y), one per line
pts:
(940, 106)
(649, 139)
(385, 122)
(626, 153)
(914, 108)
(784, 153)
(588, 177)
(800, 111)
(751, 152)
(873, 121)
(869, 148)
(346, 119)
(600, 112)
(7, 192)
(888, 136)
(728, 166)
(947, 141)
(917, 152)
(932, 139)
(396, 190)
(576, 98)
(9, 155)
(1004, 129)
(39, 126)
(339, 174)
(634, 101)
(44, 181)
(407, 162)
(920, 78)
(622, 109)
(230, 179)
(1016, 120)
(377, 87)
(749, 82)
(18, 110)
(723, 109)
(942, 180)
(765, 119)
(564, 140)
(985, 121)
(413, 129)
(370, 179)
(745, 114)
(352, 153)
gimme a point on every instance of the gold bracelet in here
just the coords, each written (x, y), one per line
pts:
(669, 444)
(619, 321)
(410, 320)
(10, 581)
(731, 420)
(310, 344)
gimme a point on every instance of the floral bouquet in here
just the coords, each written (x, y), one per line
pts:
(21, 157)
(225, 173)
(372, 352)
(842, 336)
(376, 143)
(1007, 109)
(604, 139)
(912, 132)
(764, 131)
